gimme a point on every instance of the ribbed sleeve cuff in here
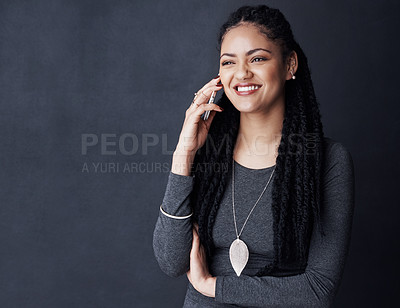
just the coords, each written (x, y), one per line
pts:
(219, 295)
(176, 198)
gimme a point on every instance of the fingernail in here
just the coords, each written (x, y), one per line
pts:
(219, 84)
(216, 77)
(222, 109)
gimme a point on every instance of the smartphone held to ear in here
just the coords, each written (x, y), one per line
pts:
(206, 114)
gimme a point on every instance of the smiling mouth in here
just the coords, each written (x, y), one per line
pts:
(246, 90)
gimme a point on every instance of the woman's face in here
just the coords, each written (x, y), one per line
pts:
(252, 70)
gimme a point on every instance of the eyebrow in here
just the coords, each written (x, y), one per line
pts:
(250, 52)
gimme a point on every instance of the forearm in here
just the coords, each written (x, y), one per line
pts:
(305, 290)
(172, 238)
(171, 244)
(315, 287)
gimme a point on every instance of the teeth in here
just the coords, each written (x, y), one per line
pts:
(245, 89)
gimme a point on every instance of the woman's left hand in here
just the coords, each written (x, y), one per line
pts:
(198, 274)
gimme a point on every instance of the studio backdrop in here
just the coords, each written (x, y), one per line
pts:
(93, 96)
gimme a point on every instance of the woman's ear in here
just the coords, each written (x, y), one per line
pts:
(291, 66)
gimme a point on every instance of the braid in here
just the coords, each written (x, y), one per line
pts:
(296, 188)
(210, 182)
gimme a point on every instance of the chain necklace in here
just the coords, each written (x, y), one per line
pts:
(238, 251)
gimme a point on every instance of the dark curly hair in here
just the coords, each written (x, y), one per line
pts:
(296, 188)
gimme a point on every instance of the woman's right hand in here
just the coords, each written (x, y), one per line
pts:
(194, 130)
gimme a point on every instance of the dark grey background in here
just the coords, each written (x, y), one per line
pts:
(84, 239)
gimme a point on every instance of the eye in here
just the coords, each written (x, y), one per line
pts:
(226, 63)
(259, 59)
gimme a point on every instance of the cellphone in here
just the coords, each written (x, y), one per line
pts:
(206, 114)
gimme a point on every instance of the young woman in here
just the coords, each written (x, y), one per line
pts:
(259, 204)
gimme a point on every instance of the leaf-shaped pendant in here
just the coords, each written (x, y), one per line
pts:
(239, 255)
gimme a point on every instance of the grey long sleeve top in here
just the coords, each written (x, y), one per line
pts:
(316, 287)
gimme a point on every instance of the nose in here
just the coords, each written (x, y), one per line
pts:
(243, 72)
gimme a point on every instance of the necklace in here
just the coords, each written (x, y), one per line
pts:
(238, 252)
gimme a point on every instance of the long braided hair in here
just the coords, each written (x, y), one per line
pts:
(296, 188)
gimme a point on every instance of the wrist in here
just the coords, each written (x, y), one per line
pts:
(183, 150)
(208, 286)
(182, 162)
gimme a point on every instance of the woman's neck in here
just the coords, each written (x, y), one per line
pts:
(258, 138)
